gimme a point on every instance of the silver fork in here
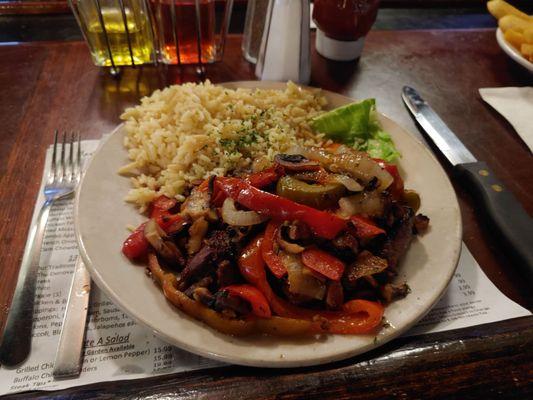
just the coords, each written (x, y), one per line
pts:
(62, 181)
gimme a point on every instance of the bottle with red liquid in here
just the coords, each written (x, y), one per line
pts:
(342, 26)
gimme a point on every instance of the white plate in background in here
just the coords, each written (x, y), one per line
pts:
(512, 52)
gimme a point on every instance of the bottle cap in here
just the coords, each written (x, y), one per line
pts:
(338, 50)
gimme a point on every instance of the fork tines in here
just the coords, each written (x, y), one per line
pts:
(68, 169)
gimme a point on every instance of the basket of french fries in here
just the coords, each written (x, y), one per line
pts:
(515, 31)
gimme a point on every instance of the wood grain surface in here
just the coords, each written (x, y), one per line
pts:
(46, 86)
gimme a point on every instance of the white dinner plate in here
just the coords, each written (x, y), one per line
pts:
(512, 52)
(101, 217)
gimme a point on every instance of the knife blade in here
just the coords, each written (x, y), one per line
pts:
(505, 213)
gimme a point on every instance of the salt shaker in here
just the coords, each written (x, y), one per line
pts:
(285, 46)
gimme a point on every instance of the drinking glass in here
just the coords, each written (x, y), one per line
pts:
(118, 32)
(186, 30)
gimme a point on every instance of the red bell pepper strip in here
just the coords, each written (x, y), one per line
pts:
(322, 223)
(253, 296)
(163, 203)
(170, 222)
(252, 267)
(259, 180)
(397, 187)
(272, 260)
(365, 228)
(136, 245)
(160, 212)
(324, 263)
(266, 177)
(363, 316)
(358, 316)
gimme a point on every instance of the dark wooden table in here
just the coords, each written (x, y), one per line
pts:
(46, 86)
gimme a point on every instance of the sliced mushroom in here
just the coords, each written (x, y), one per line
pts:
(334, 295)
(230, 305)
(358, 164)
(296, 162)
(203, 295)
(301, 280)
(366, 264)
(202, 283)
(161, 243)
(298, 231)
(197, 204)
(290, 247)
(197, 232)
(392, 291)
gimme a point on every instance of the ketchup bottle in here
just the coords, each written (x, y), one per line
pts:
(342, 26)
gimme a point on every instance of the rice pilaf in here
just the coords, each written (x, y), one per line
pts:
(188, 132)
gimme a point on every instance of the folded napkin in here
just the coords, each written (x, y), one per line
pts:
(516, 105)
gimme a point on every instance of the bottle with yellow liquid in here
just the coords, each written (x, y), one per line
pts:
(118, 32)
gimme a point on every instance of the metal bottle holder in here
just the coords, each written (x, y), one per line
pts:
(155, 30)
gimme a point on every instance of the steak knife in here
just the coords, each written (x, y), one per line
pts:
(502, 209)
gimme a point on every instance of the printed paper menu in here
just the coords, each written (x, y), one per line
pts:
(117, 348)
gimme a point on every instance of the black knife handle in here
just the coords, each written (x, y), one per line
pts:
(511, 221)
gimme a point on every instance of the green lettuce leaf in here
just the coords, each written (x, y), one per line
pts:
(356, 125)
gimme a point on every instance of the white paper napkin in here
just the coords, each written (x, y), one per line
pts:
(516, 105)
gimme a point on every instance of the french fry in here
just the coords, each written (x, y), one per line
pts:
(528, 35)
(500, 8)
(512, 22)
(515, 38)
(527, 51)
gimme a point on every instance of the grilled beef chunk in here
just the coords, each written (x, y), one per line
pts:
(218, 247)
(298, 230)
(294, 298)
(197, 267)
(366, 264)
(400, 237)
(238, 233)
(421, 224)
(334, 295)
(227, 274)
(346, 242)
(230, 305)
(345, 246)
(202, 283)
(392, 291)
(204, 296)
